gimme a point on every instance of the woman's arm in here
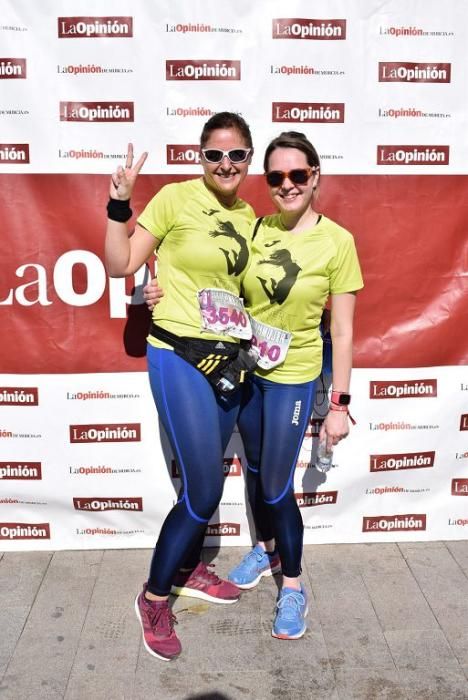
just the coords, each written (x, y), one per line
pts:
(336, 425)
(125, 251)
(124, 255)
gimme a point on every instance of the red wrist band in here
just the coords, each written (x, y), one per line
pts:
(342, 409)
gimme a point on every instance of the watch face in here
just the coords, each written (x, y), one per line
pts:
(341, 398)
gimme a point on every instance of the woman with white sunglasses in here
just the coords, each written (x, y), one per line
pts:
(201, 231)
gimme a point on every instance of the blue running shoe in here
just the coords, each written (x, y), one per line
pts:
(290, 614)
(253, 566)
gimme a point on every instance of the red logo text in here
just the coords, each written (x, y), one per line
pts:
(305, 500)
(19, 396)
(394, 523)
(390, 72)
(11, 68)
(459, 487)
(130, 432)
(24, 531)
(408, 460)
(223, 529)
(179, 154)
(96, 112)
(316, 112)
(300, 28)
(14, 153)
(416, 388)
(413, 155)
(20, 470)
(203, 70)
(95, 27)
(96, 504)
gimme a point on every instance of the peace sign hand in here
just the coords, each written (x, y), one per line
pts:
(123, 180)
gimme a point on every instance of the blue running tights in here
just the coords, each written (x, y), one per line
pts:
(199, 424)
(272, 422)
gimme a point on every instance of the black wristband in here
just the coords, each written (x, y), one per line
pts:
(119, 210)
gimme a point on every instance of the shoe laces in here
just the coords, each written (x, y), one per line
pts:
(290, 604)
(253, 557)
(205, 572)
(161, 617)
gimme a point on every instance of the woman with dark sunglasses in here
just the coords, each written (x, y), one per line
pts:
(299, 259)
(201, 232)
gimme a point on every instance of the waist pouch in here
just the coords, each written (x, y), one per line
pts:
(224, 364)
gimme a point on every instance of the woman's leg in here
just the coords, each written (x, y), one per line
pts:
(228, 409)
(263, 559)
(186, 407)
(190, 413)
(250, 422)
(286, 412)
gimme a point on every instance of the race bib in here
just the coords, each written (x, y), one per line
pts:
(272, 344)
(223, 313)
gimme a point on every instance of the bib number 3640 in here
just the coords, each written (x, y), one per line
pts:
(223, 313)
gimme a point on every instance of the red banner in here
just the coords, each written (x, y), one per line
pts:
(61, 313)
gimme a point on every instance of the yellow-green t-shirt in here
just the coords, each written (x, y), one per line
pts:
(202, 244)
(288, 283)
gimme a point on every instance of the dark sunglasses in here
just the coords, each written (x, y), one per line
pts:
(235, 155)
(298, 176)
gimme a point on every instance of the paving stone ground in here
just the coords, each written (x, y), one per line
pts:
(385, 621)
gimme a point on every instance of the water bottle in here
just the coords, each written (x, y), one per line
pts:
(324, 457)
(231, 377)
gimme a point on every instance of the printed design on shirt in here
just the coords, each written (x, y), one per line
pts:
(236, 259)
(210, 212)
(271, 244)
(279, 290)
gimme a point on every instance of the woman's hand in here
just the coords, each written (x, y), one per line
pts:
(152, 294)
(334, 428)
(123, 180)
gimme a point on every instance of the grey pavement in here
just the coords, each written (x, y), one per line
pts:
(385, 621)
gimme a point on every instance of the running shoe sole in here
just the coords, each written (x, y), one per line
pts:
(148, 648)
(193, 593)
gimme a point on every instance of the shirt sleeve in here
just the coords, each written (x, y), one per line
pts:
(345, 271)
(158, 217)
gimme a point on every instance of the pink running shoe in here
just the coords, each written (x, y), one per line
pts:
(203, 583)
(157, 624)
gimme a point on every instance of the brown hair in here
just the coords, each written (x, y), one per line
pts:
(226, 120)
(293, 139)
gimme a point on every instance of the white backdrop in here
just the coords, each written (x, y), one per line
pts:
(381, 89)
(87, 477)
